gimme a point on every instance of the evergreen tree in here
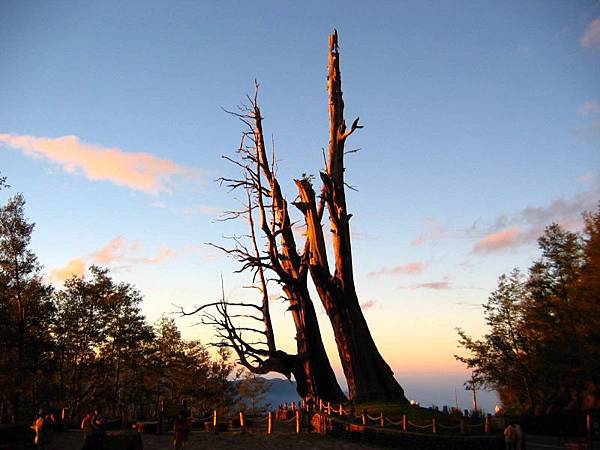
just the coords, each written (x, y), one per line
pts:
(542, 351)
(25, 311)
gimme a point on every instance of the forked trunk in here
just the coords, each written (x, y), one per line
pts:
(369, 376)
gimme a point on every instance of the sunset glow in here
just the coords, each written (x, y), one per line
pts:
(481, 128)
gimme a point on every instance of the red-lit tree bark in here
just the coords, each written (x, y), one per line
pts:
(310, 366)
(368, 375)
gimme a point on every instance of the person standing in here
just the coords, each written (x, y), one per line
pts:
(100, 427)
(510, 437)
(181, 429)
(518, 436)
(41, 430)
(90, 437)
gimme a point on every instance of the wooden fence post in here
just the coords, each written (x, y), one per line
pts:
(434, 425)
(320, 405)
(297, 421)
(328, 408)
(216, 421)
(487, 424)
(588, 424)
(382, 420)
(341, 410)
(270, 423)
(243, 421)
(364, 416)
(404, 424)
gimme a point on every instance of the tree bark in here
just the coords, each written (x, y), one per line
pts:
(369, 377)
(320, 379)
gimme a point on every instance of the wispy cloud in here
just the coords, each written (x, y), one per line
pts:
(498, 241)
(437, 285)
(435, 231)
(525, 226)
(588, 107)
(164, 255)
(139, 171)
(591, 37)
(441, 285)
(584, 178)
(75, 267)
(118, 253)
(411, 268)
(114, 250)
(468, 305)
(368, 304)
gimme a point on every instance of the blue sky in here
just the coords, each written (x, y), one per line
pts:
(482, 125)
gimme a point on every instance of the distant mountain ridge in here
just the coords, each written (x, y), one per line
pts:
(281, 391)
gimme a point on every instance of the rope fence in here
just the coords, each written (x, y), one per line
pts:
(365, 419)
(406, 425)
(322, 419)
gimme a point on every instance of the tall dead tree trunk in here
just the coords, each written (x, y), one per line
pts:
(292, 273)
(369, 376)
(310, 366)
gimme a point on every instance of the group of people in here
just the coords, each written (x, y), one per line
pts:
(513, 436)
(94, 430)
(285, 411)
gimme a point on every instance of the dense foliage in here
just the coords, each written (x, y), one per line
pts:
(88, 344)
(542, 351)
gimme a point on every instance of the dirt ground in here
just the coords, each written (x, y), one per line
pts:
(252, 440)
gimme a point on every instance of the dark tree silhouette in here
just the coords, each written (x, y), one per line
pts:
(542, 350)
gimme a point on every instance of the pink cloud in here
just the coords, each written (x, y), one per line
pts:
(119, 251)
(368, 304)
(166, 254)
(435, 231)
(523, 227)
(411, 268)
(437, 285)
(588, 107)
(75, 267)
(112, 251)
(584, 178)
(498, 241)
(139, 171)
(591, 37)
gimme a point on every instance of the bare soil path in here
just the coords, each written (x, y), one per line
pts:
(253, 440)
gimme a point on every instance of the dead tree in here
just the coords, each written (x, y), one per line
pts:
(368, 375)
(279, 257)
